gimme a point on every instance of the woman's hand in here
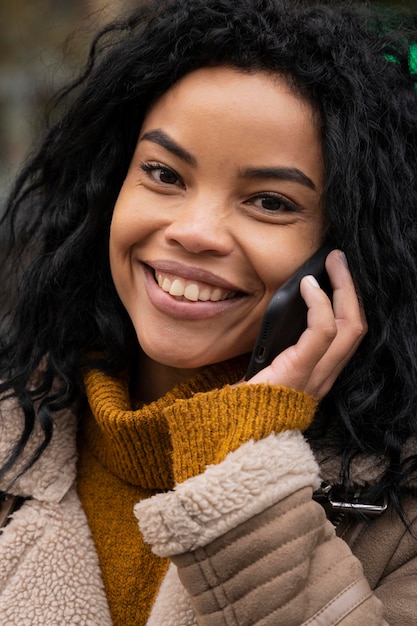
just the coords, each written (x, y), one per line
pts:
(332, 336)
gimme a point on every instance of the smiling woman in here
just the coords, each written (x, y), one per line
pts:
(211, 193)
(207, 151)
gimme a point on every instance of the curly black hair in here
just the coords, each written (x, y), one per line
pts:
(355, 66)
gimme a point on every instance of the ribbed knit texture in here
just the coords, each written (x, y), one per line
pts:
(128, 454)
(205, 430)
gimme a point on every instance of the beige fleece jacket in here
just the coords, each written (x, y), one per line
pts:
(248, 545)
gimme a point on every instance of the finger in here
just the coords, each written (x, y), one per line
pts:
(351, 327)
(317, 359)
(293, 367)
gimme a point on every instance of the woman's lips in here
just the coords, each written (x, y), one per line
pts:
(190, 299)
(190, 273)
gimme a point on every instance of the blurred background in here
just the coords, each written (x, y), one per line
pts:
(42, 44)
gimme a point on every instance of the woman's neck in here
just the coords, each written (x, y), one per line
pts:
(151, 380)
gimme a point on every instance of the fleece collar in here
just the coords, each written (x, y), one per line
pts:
(52, 475)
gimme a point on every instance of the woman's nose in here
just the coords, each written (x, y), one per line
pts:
(202, 226)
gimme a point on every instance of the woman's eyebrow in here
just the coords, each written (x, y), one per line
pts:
(162, 139)
(280, 173)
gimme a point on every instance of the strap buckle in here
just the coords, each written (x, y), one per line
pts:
(350, 503)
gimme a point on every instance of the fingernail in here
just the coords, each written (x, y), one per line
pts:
(313, 281)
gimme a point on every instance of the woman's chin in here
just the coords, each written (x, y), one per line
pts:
(187, 360)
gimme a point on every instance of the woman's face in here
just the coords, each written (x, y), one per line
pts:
(221, 204)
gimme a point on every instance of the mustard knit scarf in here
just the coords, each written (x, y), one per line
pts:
(125, 456)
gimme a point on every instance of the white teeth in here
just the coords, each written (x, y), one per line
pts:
(204, 294)
(191, 292)
(178, 288)
(166, 284)
(216, 295)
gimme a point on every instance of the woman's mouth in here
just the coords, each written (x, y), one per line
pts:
(192, 290)
(187, 293)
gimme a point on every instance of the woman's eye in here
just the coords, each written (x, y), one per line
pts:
(274, 203)
(161, 174)
(166, 176)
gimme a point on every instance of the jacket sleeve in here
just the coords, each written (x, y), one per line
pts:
(252, 547)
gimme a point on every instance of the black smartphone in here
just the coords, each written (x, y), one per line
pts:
(285, 318)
